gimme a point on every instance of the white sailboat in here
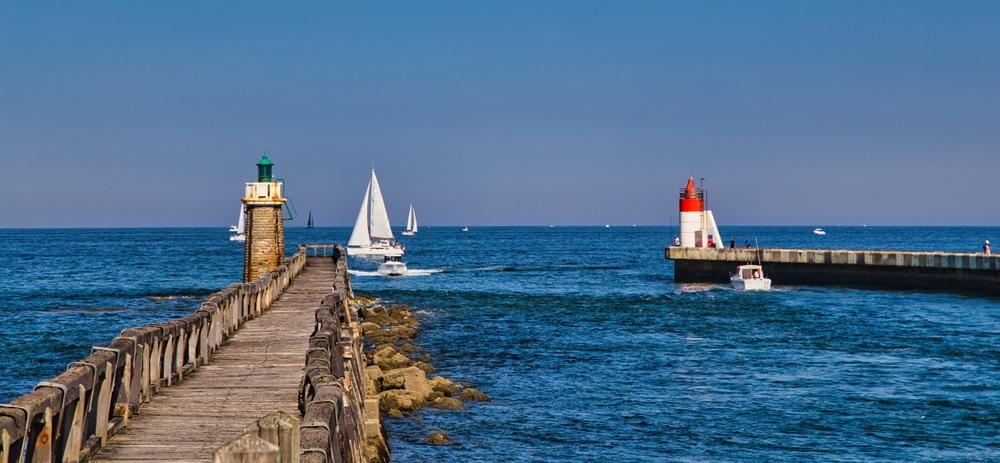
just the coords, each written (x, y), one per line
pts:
(239, 231)
(411, 223)
(372, 235)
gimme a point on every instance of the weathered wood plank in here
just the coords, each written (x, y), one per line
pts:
(255, 372)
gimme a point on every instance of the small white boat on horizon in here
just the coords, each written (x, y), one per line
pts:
(392, 266)
(372, 235)
(819, 231)
(465, 228)
(411, 223)
(750, 278)
(239, 231)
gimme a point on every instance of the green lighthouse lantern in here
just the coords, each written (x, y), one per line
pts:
(264, 169)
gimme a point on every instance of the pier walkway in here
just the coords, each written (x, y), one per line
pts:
(269, 371)
(255, 372)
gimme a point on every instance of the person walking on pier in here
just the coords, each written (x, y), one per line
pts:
(986, 247)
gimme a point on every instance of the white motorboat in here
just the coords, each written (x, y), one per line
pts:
(372, 235)
(750, 278)
(392, 266)
(411, 223)
(466, 228)
(819, 231)
(239, 231)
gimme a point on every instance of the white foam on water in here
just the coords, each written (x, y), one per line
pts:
(413, 272)
(361, 273)
(697, 287)
(419, 272)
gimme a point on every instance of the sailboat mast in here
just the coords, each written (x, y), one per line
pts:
(371, 202)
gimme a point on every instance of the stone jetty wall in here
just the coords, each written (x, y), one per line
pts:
(68, 418)
(966, 272)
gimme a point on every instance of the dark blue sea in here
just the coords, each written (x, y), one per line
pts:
(589, 349)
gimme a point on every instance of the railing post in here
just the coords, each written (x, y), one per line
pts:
(43, 442)
(104, 404)
(248, 449)
(74, 441)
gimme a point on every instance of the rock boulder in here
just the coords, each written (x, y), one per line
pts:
(411, 379)
(474, 395)
(439, 438)
(388, 358)
(447, 403)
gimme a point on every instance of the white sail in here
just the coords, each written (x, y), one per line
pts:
(379, 220)
(359, 237)
(411, 221)
(242, 224)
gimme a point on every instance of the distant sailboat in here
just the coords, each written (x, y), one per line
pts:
(239, 231)
(309, 223)
(465, 228)
(372, 235)
(411, 223)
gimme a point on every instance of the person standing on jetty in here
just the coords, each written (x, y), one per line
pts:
(986, 247)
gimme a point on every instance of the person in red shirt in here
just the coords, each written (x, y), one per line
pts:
(986, 247)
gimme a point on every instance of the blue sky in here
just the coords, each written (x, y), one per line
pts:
(485, 113)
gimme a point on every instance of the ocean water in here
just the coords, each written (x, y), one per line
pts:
(589, 349)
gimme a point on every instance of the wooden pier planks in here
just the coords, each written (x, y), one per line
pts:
(257, 371)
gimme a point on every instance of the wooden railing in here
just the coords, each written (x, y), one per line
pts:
(71, 416)
(321, 250)
(271, 439)
(337, 421)
(332, 395)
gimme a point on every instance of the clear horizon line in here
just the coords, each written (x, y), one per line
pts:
(107, 227)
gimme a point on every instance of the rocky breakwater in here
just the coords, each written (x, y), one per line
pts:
(398, 369)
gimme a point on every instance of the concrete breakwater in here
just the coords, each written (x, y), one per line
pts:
(965, 272)
(398, 368)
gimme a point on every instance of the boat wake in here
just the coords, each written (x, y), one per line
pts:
(418, 272)
(545, 268)
(491, 268)
(699, 287)
(413, 272)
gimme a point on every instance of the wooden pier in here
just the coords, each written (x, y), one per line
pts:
(964, 272)
(196, 389)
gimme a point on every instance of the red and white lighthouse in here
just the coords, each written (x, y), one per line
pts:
(698, 227)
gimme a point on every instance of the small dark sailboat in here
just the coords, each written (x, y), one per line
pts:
(309, 223)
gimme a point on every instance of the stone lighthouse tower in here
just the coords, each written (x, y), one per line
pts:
(264, 248)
